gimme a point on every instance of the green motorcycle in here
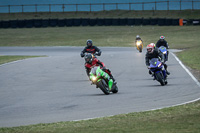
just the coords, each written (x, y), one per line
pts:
(102, 80)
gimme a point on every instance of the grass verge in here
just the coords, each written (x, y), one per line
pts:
(180, 119)
(190, 58)
(6, 59)
(177, 36)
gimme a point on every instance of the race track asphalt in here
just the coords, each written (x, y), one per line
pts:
(55, 88)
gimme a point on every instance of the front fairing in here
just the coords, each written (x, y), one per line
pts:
(139, 44)
(95, 78)
(163, 50)
(155, 64)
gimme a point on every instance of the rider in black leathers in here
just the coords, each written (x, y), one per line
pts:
(90, 49)
(153, 52)
(163, 42)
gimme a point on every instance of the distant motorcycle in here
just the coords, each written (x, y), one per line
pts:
(139, 45)
(101, 83)
(164, 51)
(157, 68)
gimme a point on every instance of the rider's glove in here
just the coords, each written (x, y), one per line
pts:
(162, 61)
(103, 68)
(98, 53)
(82, 54)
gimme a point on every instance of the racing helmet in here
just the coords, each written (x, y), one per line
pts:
(137, 36)
(162, 38)
(153, 44)
(89, 42)
(88, 58)
(150, 47)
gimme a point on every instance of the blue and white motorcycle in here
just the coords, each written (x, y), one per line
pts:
(164, 51)
(158, 71)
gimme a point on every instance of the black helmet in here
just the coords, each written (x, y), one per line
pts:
(88, 58)
(89, 42)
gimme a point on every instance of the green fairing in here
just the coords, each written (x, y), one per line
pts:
(110, 84)
(101, 73)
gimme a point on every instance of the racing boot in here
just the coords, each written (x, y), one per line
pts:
(167, 72)
(165, 66)
(150, 72)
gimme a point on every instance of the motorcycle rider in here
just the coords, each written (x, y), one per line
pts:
(138, 38)
(163, 42)
(153, 52)
(90, 49)
(139, 43)
(97, 71)
(91, 61)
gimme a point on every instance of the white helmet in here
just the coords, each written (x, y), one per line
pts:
(137, 36)
(150, 48)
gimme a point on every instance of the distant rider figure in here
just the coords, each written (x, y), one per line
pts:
(153, 52)
(163, 42)
(90, 49)
(138, 38)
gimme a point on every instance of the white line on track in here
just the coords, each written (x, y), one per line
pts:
(197, 82)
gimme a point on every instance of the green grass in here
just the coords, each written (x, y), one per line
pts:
(6, 59)
(185, 14)
(177, 36)
(191, 57)
(180, 119)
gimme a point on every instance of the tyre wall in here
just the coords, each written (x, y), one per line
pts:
(37, 23)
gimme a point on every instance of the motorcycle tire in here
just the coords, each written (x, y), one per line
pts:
(115, 89)
(160, 78)
(140, 49)
(103, 86)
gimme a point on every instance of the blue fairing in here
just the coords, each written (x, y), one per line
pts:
(163, 50)
(154, 63)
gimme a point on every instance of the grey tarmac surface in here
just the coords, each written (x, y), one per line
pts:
(55, 88)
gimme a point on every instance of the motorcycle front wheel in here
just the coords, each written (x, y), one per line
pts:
(115, 90)
(160, 78)
(103, 86)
